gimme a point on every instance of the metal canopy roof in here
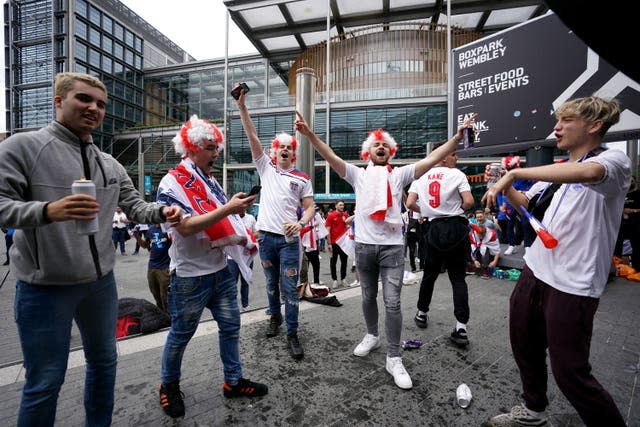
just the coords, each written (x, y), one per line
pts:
(281, 29)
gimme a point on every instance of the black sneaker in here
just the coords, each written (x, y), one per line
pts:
(274, 325)
(295, 348)
(459, 338)
(244, 388)
(421, 320)
(171, 399)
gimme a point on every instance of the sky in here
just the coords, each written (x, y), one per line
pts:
(197, 26)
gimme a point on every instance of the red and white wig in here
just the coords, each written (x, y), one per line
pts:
(378, 135)
(194, 134)
(286, 139)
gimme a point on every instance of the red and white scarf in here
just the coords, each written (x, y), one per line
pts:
(376, 200)
(191, 189)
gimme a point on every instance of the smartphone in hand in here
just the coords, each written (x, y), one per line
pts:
(255, 190)
(237, 91)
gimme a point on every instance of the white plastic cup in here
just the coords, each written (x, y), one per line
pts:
(289, 238)
(85, 186)
(463, 396)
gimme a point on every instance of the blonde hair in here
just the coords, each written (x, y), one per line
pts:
(64, 82)
(590, 109)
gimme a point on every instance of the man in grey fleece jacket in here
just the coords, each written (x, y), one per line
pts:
(62, 275)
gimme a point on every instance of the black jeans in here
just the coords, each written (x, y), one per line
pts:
(412, 241)
(335, 252)
(542, 317)
(455, 261)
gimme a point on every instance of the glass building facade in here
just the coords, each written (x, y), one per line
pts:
(102, 38)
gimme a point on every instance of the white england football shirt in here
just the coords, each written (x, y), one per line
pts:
(585, 219)
(282, 191)
(439, 192)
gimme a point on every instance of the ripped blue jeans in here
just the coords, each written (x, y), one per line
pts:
(280, 262)
(188, 297)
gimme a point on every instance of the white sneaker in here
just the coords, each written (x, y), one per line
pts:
(368, 343)
(400, 375)
(510, 250)
(247, 308)
(334, 285)
(354, 284)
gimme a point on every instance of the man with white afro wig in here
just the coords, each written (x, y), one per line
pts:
(284, 190)
(378, 231)
(194, 135)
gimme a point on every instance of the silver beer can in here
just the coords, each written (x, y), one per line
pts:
(494, 174)
(85, 186)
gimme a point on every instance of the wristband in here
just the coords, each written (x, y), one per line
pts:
(302, 224)
(46, 218)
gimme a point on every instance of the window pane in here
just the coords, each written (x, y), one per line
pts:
(81, 29)
(107, 44)
(81, 8)
(94, 15)
(81, 51)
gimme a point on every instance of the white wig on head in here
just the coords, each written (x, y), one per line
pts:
(378, 135)
(194, 134)
(283, 138)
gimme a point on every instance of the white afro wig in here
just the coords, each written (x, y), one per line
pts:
(194, 134)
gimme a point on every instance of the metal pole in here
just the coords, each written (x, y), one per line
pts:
(225, 171)
(305, 104)
(632, 152)
(449, 73)
(141, 168)
(327, 76)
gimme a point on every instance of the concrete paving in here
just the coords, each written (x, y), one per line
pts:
(330, 386)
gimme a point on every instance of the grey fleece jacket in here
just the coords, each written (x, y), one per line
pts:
(39, 167)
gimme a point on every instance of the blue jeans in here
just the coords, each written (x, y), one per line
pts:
(44, 316)
(119, 236)
(188, 297)
(280, 262)
(244, 286)
(387, 263)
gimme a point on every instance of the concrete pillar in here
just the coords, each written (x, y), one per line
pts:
(539, 156)
(305, 104)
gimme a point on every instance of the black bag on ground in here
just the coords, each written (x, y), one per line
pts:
(151, 318)
(446, 233)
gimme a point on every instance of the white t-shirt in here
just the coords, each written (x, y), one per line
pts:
(119, 220)
(282, 191)
(439, 192)
(377, 232)
(585, 219)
